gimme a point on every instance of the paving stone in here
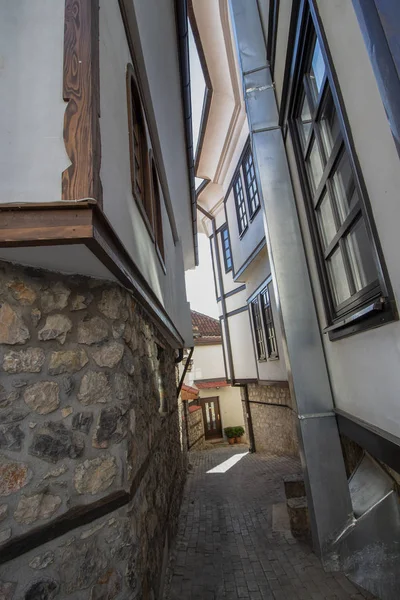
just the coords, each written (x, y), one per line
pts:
(226, 547)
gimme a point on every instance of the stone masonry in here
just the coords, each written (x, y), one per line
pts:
(91, 468)
(274, 423)
(196, 428)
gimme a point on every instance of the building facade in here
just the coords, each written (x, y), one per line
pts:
(314, 85)
(98, 224)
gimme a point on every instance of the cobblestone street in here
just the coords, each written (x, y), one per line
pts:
(231, 543)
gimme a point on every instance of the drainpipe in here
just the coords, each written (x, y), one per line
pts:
(183, 51)
(249, 419)
(184, 372)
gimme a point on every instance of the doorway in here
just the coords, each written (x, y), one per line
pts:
(212, 418)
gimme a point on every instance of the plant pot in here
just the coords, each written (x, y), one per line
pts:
(238, 440)
(231, 440)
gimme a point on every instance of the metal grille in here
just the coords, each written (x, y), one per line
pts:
(269, 324)
(258, 330)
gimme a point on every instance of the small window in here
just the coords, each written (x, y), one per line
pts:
(263, 325)
(350, 267)
(226, 249)
(158, 229)
(138, 148)
(258, 329)
(270, 336)
(253, 198)
(240, 204)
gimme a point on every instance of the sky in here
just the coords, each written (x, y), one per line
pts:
(200, 281)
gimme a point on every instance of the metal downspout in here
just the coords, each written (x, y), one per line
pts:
(184, 372)
(249, 419)
(183, 49)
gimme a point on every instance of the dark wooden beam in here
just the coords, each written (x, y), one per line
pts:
(85, 224)
(81, 89)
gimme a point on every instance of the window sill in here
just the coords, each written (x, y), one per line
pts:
(371, 316)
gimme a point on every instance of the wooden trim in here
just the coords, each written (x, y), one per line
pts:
(81, 89)
(44, 227)
(86, 224)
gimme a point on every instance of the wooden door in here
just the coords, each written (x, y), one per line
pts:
(212, 418)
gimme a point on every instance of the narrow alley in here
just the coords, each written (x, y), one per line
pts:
(233, 543)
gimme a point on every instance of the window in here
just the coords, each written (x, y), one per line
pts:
(240, 204)
(263, 324)
(253, 198)
(258, 329)
(138, 149)
(226, 249)
(349, 266)
(270, 336)
(158, 229)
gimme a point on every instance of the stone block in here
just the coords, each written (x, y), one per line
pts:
(298, 516)
(294, 487)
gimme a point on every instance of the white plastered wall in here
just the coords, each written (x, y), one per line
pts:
(364, 368)
(230, 405)
(32, 151)
(119, 205)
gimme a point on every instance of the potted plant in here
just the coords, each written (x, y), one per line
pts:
(230, 434)
(239, 431)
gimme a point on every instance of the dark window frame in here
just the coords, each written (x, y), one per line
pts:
(373, 305)
(138, 151)
(224, 230)
(268, 320)
(261, 349)
(250, 182)
(262, 321)
(157, 212)
(240, 204)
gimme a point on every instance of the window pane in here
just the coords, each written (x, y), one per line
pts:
(360, 255)
(338, 277)
(329, 125)
(251, 184)
(240, 206)
(343, 184)
(326, 220)
(315, 167)
(317, 70)
(305, 121)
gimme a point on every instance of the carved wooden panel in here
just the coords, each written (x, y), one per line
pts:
(81, 89)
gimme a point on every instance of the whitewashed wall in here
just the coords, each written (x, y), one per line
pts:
(32, 151)
(230, 405)
(364, 368)
(118, 202)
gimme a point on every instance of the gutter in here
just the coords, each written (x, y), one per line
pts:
(181, 11)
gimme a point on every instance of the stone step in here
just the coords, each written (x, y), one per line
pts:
(294, 486)
(298, 516)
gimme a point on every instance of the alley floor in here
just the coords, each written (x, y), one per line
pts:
(233, 542)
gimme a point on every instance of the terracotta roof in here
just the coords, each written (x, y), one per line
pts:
(189, 393)
(205, 327)
(206, 385)
(193, 409)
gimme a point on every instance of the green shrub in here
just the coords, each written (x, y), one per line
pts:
(239, 431)
(230, 432)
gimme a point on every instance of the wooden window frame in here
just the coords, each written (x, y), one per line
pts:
(226, 258)
(373, 305)
(139, 156)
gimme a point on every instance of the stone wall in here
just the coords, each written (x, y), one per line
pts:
(196, 428)
(274, 422)
(91, 468)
